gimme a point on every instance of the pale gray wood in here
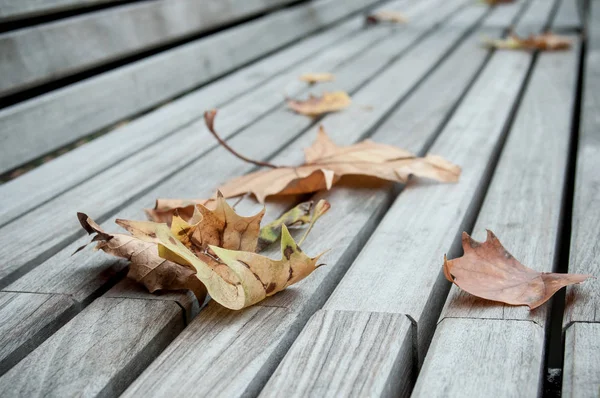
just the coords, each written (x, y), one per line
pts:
(524, 199)
(41, 124)
(479, 358)
(27, 319)
(75, 166)
(348, 349)
(568, 15)
(103, 193)
(99, 352)
(12, 10)
(504, 15)
(535, 15)
(432, 215)
(349, 222)
(47, 52)
(581, 375)
(583, 301)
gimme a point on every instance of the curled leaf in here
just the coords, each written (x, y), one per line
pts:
(489, 271)
(146, 267)
(326, 163)
(316, 106)
(313, 78)
(164, 209)
(544, 42)
(386, 16)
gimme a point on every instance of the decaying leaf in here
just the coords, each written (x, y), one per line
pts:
(326, 163)
(545, 42)
(299, 215)
(496, 2)
(316, 106)
(165, 208)
(213, 250)
(146, 267)
(313, 78)
(386, 16)
(489, 271)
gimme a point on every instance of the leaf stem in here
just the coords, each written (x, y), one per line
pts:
(209, 118)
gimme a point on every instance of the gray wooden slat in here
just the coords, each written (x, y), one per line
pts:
(82, 277)
(12, 10)
(581, 376)
(27, 320)
(504, 14)
(47, 52)
(356, 211)
(433, 215)
(581, 322)
(99, 352)
(44, 123)
(480, 353)
(122, 142)
(349, 348)
(568, 15)
(122, 182)
(523, 207)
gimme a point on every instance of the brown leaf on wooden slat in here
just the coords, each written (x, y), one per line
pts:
(316, 106)
(164, 209)
(496, 2)
(313, 78)
(489, 271)
(386, 16)
(543, 42)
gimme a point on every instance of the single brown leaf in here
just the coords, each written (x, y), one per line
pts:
(386, 16)
(496, 2)
(316, 106)
(326, 163)
(313, 78)
(544, 42)
(489, 271)
(146, 267)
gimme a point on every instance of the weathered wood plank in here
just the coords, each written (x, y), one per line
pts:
(12, 10)
(99, 352)
(349, 222)
(83, 277)
(122, 142)
(44, 123)
(581, 376)
(349, 348)
(47, 52)
(434, 215)
(504, 14)
(124, 181)
(27, 319)
(568, 15)
(476, 357)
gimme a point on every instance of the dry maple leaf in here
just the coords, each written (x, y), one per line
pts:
(326, 163)
(146, 267)
(313, 78)
(545, 42)
(214, 250)
(316, 106)
(489, 271)
(386, 16)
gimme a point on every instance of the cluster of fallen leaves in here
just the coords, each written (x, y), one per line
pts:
(214, 250)
(489, 271)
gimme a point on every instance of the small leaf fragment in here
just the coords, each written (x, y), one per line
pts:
(386, 16)
(487, 270)
(313, 78)
(271, 232)
(316, 106)
(496, 2)
(543, 42)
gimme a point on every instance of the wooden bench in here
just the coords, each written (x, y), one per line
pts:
(380, 319)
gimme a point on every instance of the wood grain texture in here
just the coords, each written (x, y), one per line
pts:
(483, 358)
(41, 124)
(12, 10)
(49, 51)
(524, 199)
(27, 319)
(75, 166)
(583, 301)
(99, 352)
(221, 353)
(353, 354)
(504, 15)
(536, 17)
(123, 181)
(581, 374)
